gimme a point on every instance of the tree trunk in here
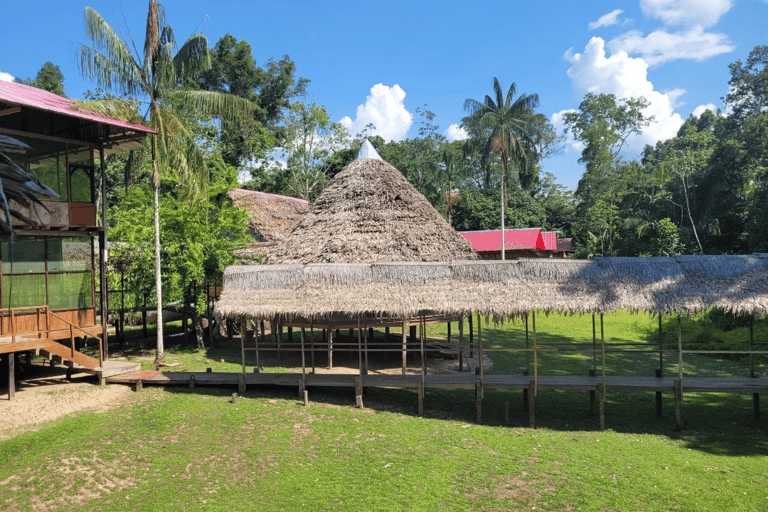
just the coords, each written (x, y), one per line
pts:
(198, 321)
(160, 355)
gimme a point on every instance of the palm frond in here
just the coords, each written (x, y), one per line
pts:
(109, 62)
(217, 104)
(115, 109)
(192, 58)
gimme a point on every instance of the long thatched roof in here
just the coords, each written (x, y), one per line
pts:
(499, 289)
(369, 212)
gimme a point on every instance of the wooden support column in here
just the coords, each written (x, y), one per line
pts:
(755, 396)
(359, 347)
(365, 350)
(422, 329)
(330, 347)
(242, 342)
(405, 346)
(660, 369)
(11, 376)
(312, 343)
(602, 383)
(256, 340)
(535, 356)
(420, 399)
(290, 335)
(532, 407)
(303, 388)
(471, 338)
(679, 382)
(461, 344)
(527, 370)
(480, 386)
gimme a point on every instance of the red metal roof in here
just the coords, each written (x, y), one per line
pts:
(33, 97)
(550, 240)
(526, 238)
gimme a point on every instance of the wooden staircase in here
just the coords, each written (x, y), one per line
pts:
(54, 349)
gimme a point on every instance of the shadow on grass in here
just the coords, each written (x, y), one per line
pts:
(714, 423)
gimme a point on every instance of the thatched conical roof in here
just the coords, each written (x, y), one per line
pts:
(369, 212)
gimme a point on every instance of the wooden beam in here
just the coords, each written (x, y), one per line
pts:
(8, 111)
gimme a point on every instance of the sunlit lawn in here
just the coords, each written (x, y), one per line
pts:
(176, 449)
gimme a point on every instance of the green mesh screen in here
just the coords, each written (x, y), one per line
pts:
(68, 291)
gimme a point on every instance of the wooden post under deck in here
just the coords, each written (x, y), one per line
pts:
(461, 344)
(405, 346)
(11, 375)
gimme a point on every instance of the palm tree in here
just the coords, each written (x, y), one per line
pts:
(156, 77)
(507, 124)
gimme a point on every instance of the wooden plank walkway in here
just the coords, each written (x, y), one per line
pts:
(564, 382)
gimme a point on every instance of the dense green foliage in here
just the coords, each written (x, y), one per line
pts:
(49, 78)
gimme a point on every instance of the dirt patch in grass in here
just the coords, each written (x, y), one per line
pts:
(46, 395)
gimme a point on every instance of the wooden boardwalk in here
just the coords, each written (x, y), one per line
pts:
(529, 384)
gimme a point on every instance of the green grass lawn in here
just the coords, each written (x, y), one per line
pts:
(176, 449)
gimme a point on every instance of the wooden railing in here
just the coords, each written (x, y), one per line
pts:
(45, 312)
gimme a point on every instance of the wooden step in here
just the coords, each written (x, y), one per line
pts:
(54, 350)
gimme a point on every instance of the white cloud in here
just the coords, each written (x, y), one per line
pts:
(606, 20)
(456, 132)
(625, 77)
(571, 144)
(661, 46)
(385, 110)
(703, 108)
(687, 12)
(6, 77)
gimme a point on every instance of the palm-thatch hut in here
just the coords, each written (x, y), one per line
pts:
(270, 218)
(325, 282)
(368, 213)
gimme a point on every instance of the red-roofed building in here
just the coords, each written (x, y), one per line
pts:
(47, 272)
(518, 243)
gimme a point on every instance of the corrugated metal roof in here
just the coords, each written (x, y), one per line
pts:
(526, 238)
(24, 95)
(550, 240)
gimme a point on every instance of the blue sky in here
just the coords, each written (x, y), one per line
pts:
(377, 61)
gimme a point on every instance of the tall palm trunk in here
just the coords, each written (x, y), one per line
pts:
(160, 354)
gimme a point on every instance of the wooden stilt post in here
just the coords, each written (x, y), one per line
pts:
(593, 371)
(679, 385)
(242, 342)
(276, 338)
(359, 346)
(480, 386)
(405, 346)
(461, 344)
(11, 376)
(422, 335)
(312, 343)
(527, 370)
(660, 369)
(420, 399)
(448, 336)
(359, 391)
(471, 338)
(256, 342)
(755, 396)
(535, 356)
(532, 407)
(365, 350)
(602, 383)
(303, 388)
(330, 347)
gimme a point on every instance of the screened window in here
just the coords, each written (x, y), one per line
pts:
(53, 271)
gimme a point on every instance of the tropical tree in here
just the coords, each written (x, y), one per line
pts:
(156, 78)
(506, 121)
